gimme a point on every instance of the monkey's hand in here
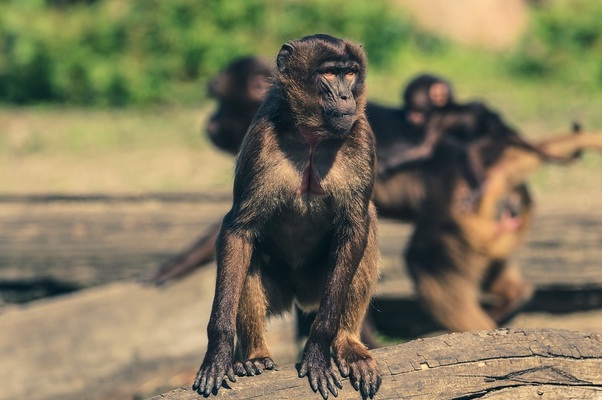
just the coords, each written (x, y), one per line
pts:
(253, 366)
(363, 371)
(216, 365)
(316, 366)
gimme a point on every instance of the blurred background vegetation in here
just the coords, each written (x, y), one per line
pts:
(124, 80)
(117, 52)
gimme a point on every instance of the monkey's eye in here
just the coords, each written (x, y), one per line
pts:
(329, 74)
(350, 75)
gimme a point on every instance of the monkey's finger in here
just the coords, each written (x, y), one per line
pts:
(199, 382)
(353, 378)
(258, 367)
(376, 385)
(313, 382)
(269, 364)
(330, 384)
(209, 385)
(322, 388)
(249, 368)
(344, 369)
(231, 375)
(239, 369)
(303, 370)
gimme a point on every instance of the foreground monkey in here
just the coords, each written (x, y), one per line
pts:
(302, 226)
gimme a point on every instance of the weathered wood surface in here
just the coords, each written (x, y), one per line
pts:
(118, 340)
(113, 341)
(500, 364)
(82, 242)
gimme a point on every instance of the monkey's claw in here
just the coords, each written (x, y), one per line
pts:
(211, 375)
(316, 366)
(364, 375)
(253, 366)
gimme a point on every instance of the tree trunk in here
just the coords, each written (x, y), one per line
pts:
(500, 364)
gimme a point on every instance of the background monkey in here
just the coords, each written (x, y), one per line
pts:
(478, 134)
(302, 225)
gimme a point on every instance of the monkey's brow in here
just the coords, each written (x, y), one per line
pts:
(338, 66)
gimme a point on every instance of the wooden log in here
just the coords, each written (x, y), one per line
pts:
(500, 364)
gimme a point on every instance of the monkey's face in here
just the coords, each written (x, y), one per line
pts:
(323, 79)
(239, 90)
(335, 81)
(424, 94)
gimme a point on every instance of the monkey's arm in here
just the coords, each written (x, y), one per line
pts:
(412, 155)
(234, 249)
(348, 245)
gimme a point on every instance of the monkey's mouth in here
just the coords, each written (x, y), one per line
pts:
(340, 122)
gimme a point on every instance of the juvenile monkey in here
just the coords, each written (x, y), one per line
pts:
(476, 134)
(302, 227)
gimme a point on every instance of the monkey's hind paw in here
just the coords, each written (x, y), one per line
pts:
(364, 375)
(253, 366)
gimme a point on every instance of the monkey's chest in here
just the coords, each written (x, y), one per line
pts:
(310, 182)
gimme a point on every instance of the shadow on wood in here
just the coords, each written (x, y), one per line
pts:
(500, 364)
(397, 313)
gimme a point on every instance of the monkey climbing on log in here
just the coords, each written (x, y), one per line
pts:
(302, 227)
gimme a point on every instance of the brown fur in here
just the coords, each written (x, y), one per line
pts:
(302, 225)
(456, 255)
(477, 133)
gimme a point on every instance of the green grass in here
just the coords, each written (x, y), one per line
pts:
(49, 149)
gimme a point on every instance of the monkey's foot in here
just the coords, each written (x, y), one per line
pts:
(253, 366)
(355, 362)
(316, 366)
(216, 366)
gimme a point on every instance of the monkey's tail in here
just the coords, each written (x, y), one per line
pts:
(195, 256)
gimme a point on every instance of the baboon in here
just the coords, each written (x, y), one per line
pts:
(455, 256)
(478, 134)
(239, 90)
(302, 226)
(399, 198)
(401, 195)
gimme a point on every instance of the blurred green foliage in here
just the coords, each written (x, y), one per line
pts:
(124, 52)
(118, 52)
(564, 43)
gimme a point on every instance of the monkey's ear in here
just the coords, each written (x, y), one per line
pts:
(257, 86)
(285, 51)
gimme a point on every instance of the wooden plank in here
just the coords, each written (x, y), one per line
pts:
(500, 364)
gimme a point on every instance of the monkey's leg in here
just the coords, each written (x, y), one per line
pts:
(251, 324)
(453, 300)
(352, 356)
(511, 290)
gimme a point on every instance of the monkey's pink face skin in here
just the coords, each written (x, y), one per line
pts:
(439, 94)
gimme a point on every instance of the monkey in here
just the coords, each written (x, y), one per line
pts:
(302, 227)
(454, 256)
(401, 196)
(239, 89)
(478, 133)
